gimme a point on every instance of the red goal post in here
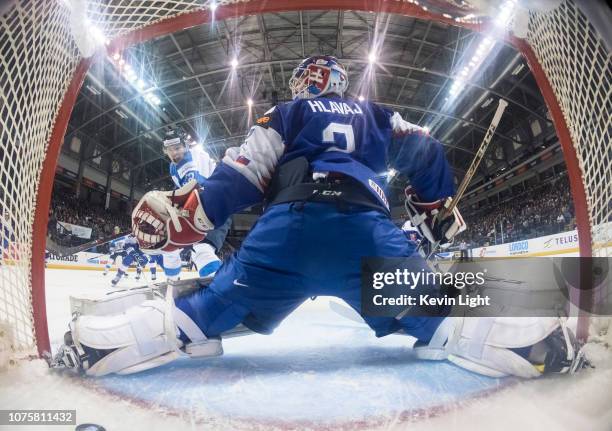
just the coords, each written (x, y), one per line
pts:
(42, 73)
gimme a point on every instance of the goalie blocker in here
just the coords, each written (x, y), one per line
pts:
(430, 218)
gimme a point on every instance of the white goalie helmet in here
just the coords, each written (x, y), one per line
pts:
(318, 75)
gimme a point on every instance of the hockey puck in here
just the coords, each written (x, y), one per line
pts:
(89, 427)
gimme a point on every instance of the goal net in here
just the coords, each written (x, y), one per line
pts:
(41, 72)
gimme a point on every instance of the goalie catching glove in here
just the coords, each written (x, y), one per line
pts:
(167, 221)
(427, 218)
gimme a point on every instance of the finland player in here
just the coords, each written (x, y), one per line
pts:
(152, 266)
(115, 250)
(193, 163)
(315, 160)
(132, 254)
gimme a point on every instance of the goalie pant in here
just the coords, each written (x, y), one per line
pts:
(279, 266)
(299, 250)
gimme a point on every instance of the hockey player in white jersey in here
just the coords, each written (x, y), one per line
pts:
(115, 250)
(133, 254)
(193, 163)
(152, 264)
(317, 160)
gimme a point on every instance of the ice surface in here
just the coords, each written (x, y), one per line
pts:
(317, 371)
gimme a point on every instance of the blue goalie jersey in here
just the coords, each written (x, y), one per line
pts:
(360, 139)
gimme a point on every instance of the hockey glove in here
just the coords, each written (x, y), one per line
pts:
(426, 217)
(167, 221)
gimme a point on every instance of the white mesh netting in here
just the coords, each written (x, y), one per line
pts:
(37, 61)
(39, 58)
(578, 66)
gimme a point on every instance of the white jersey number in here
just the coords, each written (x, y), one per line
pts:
(343, 129)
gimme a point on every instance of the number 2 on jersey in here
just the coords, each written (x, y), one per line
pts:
(341, 129)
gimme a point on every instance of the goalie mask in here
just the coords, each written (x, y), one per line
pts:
(318, 75)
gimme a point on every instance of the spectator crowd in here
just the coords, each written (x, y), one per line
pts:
(543, 209)
(67, 209)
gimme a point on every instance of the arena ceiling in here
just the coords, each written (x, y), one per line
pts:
(188, 79)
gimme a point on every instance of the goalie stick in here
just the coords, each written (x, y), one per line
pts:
(453, 202)
(478, 157)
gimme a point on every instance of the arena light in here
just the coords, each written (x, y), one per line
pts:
(506, 13)
(128, 72)
(97, 34)
(361, 98)
(372, 57)
(152, 99)
(234, 63)
(213, 6)
(249, 102)
(473, 66)
(457, 86)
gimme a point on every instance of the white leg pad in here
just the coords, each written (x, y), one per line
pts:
(139, 335)
(111, 303)
(144, 337)
(136, 326)
(481, 344)
(436, 349)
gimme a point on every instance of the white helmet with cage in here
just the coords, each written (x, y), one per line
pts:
(318, 75)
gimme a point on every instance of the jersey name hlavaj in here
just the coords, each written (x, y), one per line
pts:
(362, 140)
(196, 165)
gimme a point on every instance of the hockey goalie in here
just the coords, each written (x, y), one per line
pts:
(315, 162)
